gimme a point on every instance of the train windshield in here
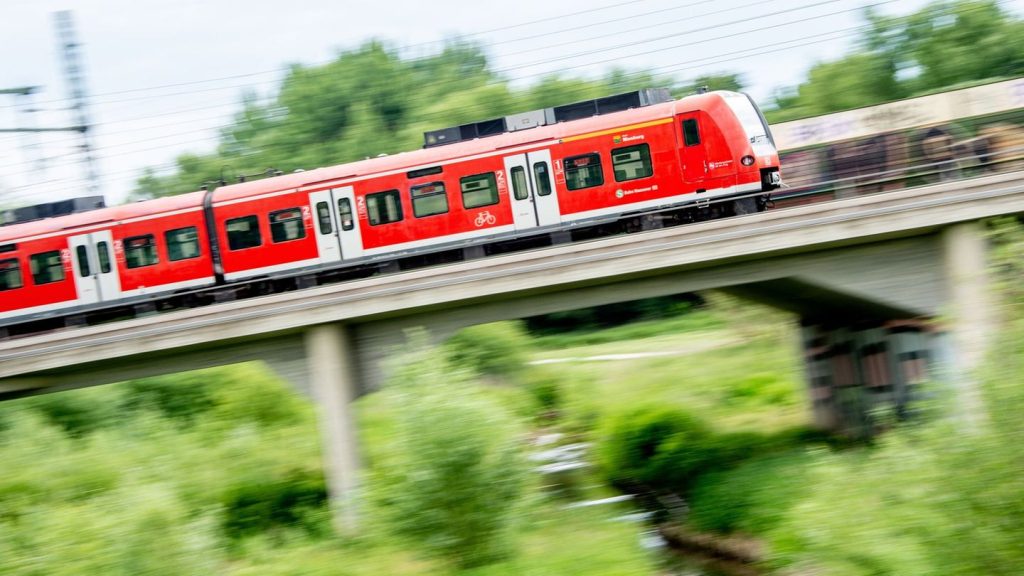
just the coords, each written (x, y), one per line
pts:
(748, 116)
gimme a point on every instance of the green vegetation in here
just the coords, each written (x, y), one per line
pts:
(226, 478)
(946, 44)
(451, 475)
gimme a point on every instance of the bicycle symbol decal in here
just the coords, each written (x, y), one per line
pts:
(485, 218)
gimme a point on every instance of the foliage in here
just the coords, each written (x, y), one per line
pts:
(497, 349)
(654, 447)
(77, 414)
(944, 44)
(252, 508)
(930, 497)
(545, 388)
(451, 476)
(597, 318)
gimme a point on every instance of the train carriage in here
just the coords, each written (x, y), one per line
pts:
(549, 171)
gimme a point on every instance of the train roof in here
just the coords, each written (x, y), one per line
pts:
(70, 222)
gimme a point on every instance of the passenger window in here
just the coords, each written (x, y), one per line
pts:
(479, 190)
(243, 232)
(691, 134)
(583, 171)
(632, 162)
(429, 199)
(103, 251)
(542, 178)
(323, 215)
(182, 243)
(46, 267)
(345, 213)
(383, 207)
(10, 274)
(520, 189)
(83, 261)
(287, 225)
(140, 251)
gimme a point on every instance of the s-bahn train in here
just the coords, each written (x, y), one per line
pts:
(525, 175)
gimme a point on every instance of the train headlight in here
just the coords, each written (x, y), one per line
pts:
(747, 160)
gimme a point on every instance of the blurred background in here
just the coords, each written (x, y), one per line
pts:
(663, 436)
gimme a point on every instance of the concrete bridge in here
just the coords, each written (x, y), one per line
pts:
(890, 289)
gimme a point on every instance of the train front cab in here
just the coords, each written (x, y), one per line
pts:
(726, 152)
(758, 156)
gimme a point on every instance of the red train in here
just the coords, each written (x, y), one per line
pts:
(492, 181)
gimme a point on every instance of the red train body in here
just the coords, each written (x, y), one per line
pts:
(704, 147)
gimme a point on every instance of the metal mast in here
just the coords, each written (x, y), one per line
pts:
(71, 50)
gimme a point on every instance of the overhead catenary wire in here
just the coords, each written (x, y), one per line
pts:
(281, 69)
(689, 44)
(704, 62)
(99, 101)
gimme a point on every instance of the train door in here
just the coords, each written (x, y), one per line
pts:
(348, 223)
(694, 159)
(532, 190)
(337, 230)
(95, 274)
(327, 239)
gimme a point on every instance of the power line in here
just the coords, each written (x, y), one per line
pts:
(427, 117)
(831, 36)
(281, 69)
(100, 101)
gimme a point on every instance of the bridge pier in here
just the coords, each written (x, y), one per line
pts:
(969, 317)
(859, 377)
(331, 364)
(860, 365)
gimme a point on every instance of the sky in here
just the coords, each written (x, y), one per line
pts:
(164, 75)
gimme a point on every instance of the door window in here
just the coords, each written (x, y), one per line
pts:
(103, 251)
(541, 177)
(323, 216)
(345, 213)
(83, 261)
(520, 190)
(691, 133)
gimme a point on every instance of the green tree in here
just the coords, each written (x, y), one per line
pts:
(452, 473)
(944, 44)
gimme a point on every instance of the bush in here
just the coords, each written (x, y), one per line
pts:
(500, 349)
(654, 447)
(451, 474)
(78, 412)
(281, 503)
(180, 397)
(545, 388)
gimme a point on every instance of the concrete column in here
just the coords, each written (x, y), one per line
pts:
(970, 317)
(332, 375)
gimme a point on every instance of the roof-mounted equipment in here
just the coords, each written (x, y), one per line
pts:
(546, 116)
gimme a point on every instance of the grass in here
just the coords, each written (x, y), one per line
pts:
(710, 374)
(687, 323)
